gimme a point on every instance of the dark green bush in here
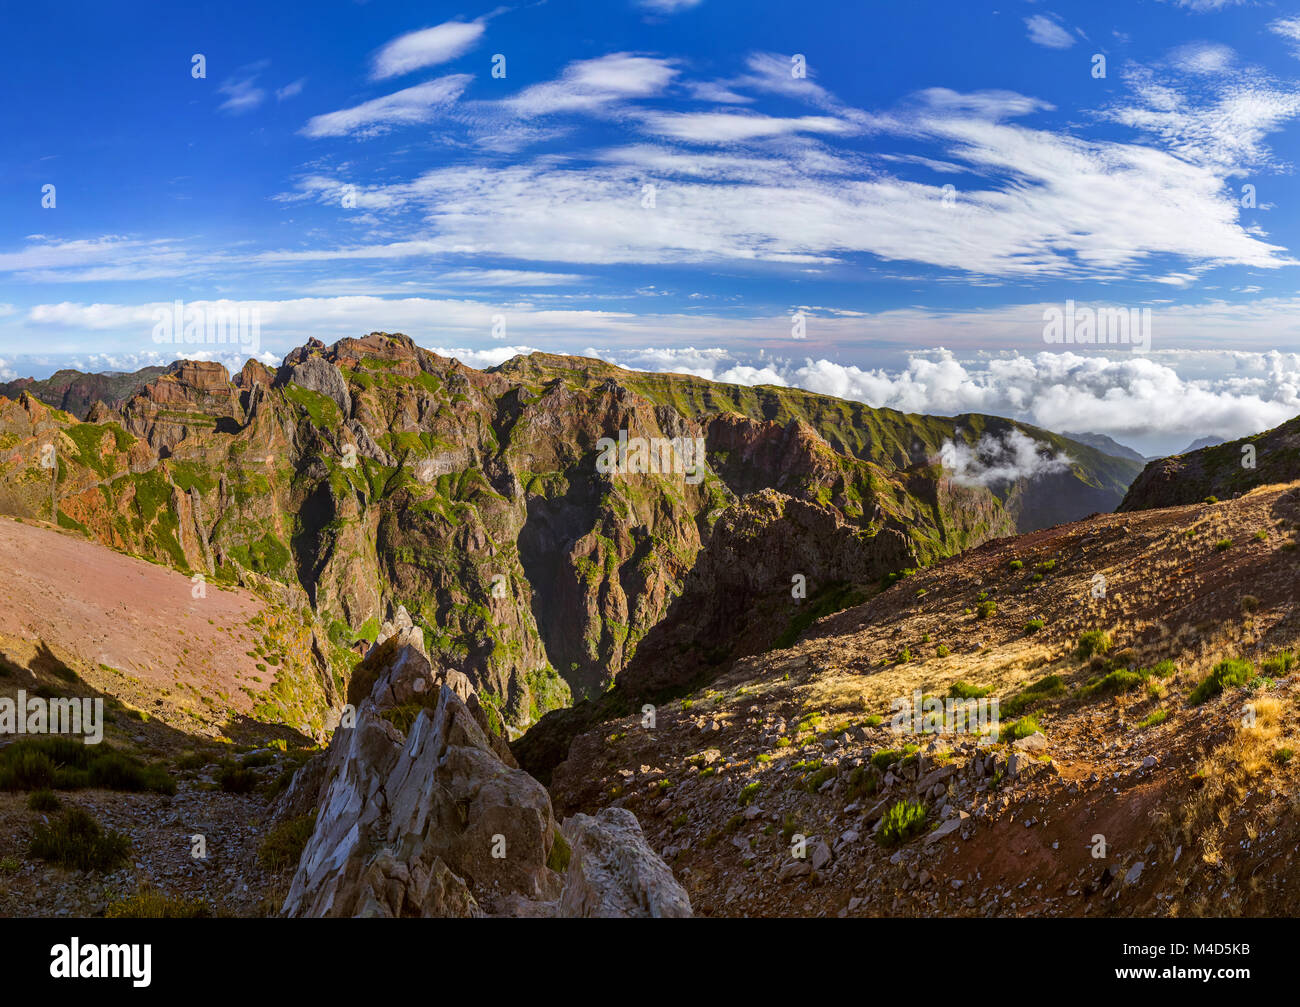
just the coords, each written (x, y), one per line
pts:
(1225, 674)
(901, 822)
(75, 840)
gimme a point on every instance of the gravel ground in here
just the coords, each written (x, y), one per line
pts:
(161, 830)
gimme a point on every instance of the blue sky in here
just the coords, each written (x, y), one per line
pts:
(658, 184)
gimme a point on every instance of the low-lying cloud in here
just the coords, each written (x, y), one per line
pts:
(994, 460)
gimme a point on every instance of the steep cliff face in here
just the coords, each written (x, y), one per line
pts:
(540, 519)
(1223, 470)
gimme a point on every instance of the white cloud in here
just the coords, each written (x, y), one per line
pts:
(1207, 6)
(1162, 399)
(470, 277)
(1046, 30)
(1201, 105)
(991, 460)
(729, 127)
(1289, 29)
(241, 91)
(407, 107)
(1203, 57)
(493, 357)
(992, 105)
(427, 47)
(668, 6)
(590, 84)
(290, 90)
(1064, 206)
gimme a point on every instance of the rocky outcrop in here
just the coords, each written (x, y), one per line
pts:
(191, 397)
(1221, 471)
(614, 873)
(434, 822)
(319, 375)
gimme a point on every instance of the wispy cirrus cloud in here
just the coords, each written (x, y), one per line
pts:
(1289, 29)
(1045, 204)
(410, 106)
(242, 91)
(427, 47)
(290, 90)
(1203, 104)
(729, 127)
(668, 6)
(1207, 6)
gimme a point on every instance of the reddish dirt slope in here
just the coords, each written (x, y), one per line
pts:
(130, 628)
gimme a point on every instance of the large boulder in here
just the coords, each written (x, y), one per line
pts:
(614, 873)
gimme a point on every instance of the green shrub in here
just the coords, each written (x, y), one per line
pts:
(1279, 664)
(236, 779)
(1016, 564)
(43, 800)
(900, 823)
(1283, 755)
(190, 761)
(116, 771)
(1125, 659)
(1225, 674)
(986, 608)
(282, 847)
(1164, 669)
(1034, 625)
(1018, 729)
(749, 792)
(1116, 682)
(75, 840)
(1095, 641)
(964, 690)
(1153, 718)
(26, 768)
(885, 758)
(942, 650)
(1222, 544)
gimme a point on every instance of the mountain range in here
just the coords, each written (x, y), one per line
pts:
(372, 474)
(372, 612)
